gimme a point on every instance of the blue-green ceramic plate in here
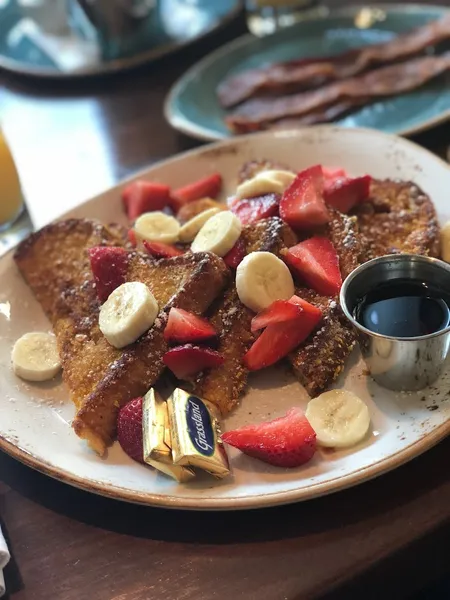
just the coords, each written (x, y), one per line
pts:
(172, 25)
(192, 106)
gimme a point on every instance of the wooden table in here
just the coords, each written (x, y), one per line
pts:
(72, 140)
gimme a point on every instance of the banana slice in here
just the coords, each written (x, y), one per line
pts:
(339, 418)
(219, 234)
(35, 356)
(262, 278)
(130, 311)
(265, 182)
(445, 242)
(157, 227)
(190, 229)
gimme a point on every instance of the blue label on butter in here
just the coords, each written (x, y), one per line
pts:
(199, 426)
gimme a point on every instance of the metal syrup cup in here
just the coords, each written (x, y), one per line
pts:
(406, 363)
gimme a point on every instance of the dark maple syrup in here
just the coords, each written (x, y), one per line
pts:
(404, 308)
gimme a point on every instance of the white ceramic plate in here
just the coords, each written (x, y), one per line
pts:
(35, 419)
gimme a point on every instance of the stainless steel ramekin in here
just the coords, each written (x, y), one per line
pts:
(405, 364)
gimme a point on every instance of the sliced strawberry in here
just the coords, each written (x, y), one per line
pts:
(289, 441)
(235, 256)
(144, 196)
(331, 174)
(185, 361)
(344, 194)
(232, 201)
(302, 205)
(209, 186)
(132, 237)
(161, 250)
(109, 267)
(129, 429)
(252, 210)
(317, 263)
(281, 338)
(279, 311)
(183, 326)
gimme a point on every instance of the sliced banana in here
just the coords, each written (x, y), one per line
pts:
(35, 356)
(339, 418)
(219, 234)
(265, 182)
(262, 278)
(157, 227)
(445, 242)
(190, 229)
(130, 311)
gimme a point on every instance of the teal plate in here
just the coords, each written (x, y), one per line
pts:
(171, 26)
(192, 106)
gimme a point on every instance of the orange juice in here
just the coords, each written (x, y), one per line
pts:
(10, 193)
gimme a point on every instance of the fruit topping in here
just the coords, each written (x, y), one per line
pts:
(157, 227)
(129, 429)
(183, 326)
(35, 356)
(144, 196)
(192, 209)
(279, 311)
(219, 234)
(262, 278)
(129, 311)
(190, 229)
(265, 182)
(209, 186)
(340, 419)
(302, 205)
(160, 250)
(109, 268)
(185, 361)
(332, 174)
(252, 210)
(289, 441)
(236, 255)
(344, 194)
(317, 263)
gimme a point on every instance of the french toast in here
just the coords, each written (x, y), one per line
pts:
(224, 385)
(100, 377)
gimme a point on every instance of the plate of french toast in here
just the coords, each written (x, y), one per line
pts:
(187, 339)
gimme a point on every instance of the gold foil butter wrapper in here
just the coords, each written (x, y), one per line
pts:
(157, 439)
(195, 431)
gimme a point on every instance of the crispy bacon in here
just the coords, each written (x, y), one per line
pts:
(387, 81)
(297, 75)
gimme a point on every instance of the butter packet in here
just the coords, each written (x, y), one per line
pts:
(157, 439)
(195, 434)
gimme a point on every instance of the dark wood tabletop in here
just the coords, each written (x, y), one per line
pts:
(387, 537)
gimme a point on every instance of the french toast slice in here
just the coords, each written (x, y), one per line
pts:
(398, 217)
(322, 357)
(224, 385)
(100, 377)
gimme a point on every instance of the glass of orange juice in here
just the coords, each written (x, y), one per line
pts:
(11, 199)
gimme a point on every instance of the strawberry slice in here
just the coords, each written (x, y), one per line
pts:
(109, 267)
(288, 442)
(235, 256)
(129, 429)
(183, 326)
(209, 187)
(279, 311)
(316, 262)
(144, 196)
(132, 237)
(161, 250)
(344, 194)
(279, 339)
(252, 210)
(302, 205)
(332, 174)
(185, 361)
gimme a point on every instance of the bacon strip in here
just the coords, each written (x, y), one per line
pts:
(387, 81)
(297, 75)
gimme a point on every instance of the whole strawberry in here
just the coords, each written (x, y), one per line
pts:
(129, 429)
